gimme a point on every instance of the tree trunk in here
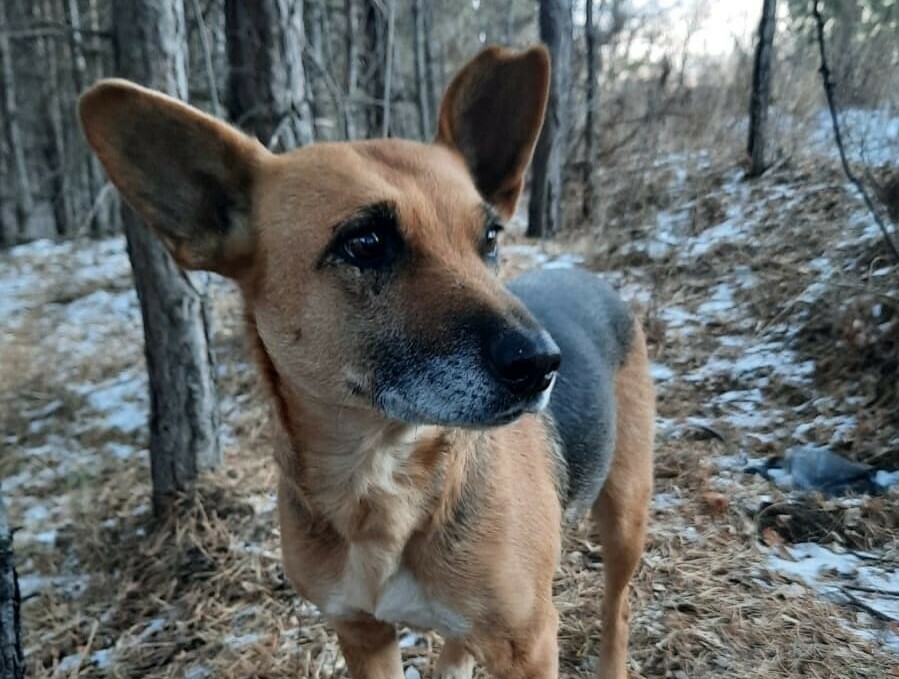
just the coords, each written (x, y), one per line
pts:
(388, 68)
(266, 81)
(761, 88)
(421, 69)
(24, 196)
(375, 57)
(50, 52)
(320, 99)
(588, 209)
(184, 418)
(545, 208)
(12, 662)
(92, 183)
(352, 68)
(433, 69)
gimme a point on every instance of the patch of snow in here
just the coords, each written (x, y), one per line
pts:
(871, 135)
(886, 479)
(840, 576)
(410, 639)
(720, 303)
(122, 401)
(678, 318)
(238, 641)
(665, 501)
(197, 672)
(101, 659)
(564, 261)
(661, 372)
(155, 625)
(70, 585)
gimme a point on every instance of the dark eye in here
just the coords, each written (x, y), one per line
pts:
(365, 250)
(491, 241)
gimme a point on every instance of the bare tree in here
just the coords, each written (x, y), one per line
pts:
(321, 96)
(389, 48)
(12, 662)
(433, 58)
(545, 208)
(374, 56)
(15, 141)
(588, 207)
(266, 81)
(420, 40)
(761, 89)
(55, 152)
(80, 78)
(352, 67)
(184, 416)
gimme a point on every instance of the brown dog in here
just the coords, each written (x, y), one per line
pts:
(429, 438)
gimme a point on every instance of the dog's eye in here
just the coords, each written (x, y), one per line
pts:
(491, 241)
(365, 250)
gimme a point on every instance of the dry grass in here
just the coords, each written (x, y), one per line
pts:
(204, 594)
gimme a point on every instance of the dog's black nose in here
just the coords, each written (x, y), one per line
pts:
(525, 363)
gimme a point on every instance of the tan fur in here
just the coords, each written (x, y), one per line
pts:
(621, 511)
(465, 522)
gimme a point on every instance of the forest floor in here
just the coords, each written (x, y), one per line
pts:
(773, 320)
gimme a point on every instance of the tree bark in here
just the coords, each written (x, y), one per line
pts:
(352, 68)
(24, 197)
(320, 99)
(388, 68)
(432, 63)
(12, 662)
(421, 70)
(545, 207)
(588, 209)
(184, 416)
(761, 89)
(375, 58)
(80, 78)
(56, 150)
(266, 82)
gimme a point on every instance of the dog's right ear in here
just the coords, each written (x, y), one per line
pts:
(187, 174)
(492, 113)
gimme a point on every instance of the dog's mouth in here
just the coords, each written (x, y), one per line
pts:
(466, 405)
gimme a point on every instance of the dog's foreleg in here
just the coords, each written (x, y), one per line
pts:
(455, 662)
(370, 649)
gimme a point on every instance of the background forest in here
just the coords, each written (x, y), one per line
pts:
(690, 157)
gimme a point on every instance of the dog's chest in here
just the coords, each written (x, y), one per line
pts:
(372, 584)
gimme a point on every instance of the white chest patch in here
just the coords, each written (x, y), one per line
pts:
(401, 600)
(404, 601)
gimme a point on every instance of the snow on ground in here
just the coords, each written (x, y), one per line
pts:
(870, 136)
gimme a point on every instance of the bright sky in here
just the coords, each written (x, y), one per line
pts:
(715, 23)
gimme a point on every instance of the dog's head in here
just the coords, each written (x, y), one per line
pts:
(368, 267)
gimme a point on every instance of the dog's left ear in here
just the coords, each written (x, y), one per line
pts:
(492, 113)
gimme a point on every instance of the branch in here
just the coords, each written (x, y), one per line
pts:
(829, 92)
(207, 60)
(48, 29)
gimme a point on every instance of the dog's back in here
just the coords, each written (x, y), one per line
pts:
(594, 329)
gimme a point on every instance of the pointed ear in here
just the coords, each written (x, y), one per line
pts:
(492, 113)
(187, 174)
